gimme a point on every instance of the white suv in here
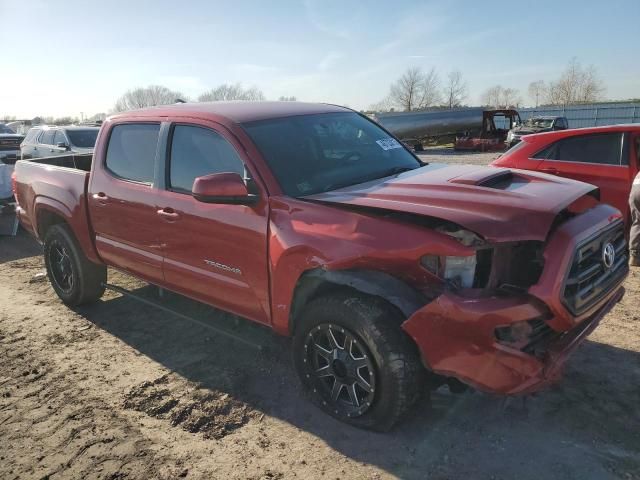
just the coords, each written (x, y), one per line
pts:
(46, 141)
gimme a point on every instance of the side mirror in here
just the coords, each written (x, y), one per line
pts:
(62, 145)
(226, 188)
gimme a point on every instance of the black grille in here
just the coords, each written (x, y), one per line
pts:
(540, 337)
(589, 279)
(10, 143)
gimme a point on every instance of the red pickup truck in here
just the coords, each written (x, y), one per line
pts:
(314, 220)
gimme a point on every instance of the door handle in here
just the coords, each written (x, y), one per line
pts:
(550, 170)
(100, 197)
(169, 214)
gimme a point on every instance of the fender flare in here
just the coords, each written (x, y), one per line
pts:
(313, 283)
(50, 205)
(56, 207)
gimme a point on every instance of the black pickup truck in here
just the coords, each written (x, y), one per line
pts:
(538, 124)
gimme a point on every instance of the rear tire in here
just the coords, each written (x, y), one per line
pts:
(75, 279)
(357, 345)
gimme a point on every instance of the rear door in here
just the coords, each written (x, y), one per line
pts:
(122, 200)
(601, 159)
(215, 253)
(45, 144)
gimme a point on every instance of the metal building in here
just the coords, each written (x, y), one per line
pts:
(590, 114)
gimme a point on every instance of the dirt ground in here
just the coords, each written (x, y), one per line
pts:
(449, 155)
(119, 390)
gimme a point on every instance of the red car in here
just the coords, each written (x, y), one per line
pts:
(607, 157)
(315, 221)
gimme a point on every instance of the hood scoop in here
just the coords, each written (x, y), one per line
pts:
(500, 179)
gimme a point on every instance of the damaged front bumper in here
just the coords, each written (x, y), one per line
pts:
(456, 337)
(457, 332)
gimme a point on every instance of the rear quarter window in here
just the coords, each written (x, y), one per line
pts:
(602, 148)
(31, 135)
(131, 151)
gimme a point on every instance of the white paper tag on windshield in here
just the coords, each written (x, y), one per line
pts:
(388, 143)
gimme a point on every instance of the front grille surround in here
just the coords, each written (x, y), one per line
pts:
(10, 144)
(588, 279)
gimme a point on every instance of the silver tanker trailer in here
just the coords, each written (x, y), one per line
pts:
(473, 128)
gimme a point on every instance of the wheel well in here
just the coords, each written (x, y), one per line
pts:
(46, 220)
(319, 282)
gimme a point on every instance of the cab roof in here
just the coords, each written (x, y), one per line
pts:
(236, 112)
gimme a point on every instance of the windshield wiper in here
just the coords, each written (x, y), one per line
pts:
(369, 178)
(394, 171)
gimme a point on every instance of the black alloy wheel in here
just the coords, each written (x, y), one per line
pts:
(341, 369)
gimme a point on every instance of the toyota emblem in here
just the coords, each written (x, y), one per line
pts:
(608, 255)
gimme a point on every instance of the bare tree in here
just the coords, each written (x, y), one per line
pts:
(97, 116)
(65, 120)
(384, 105)
(430, 93)
(229, 91)
(592, 87)
(576, 85)
(414, 90)
(491, 96)
(146, 97)
(511, 97)
(537, 90)
(455, 90)
(287, 99)
(405, 92)
(500, 97)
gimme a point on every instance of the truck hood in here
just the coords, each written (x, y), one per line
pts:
(529, 130)
(499, 204)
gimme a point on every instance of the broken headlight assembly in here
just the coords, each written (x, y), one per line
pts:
(460, 271)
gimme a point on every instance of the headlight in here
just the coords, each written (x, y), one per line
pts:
(459, 270)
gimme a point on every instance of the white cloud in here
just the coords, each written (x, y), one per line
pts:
(329, 61)
(322, 15)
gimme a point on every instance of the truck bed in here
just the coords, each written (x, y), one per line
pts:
(55, 185)
(76, 161)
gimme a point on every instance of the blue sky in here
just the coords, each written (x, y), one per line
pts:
(66, 57)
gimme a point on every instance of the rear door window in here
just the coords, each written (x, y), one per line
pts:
(197, 151)
(31, 135)
(603, 148)
(47, 137)
(131, 152)
(59, 138)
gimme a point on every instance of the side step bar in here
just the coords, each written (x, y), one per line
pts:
(159, 306)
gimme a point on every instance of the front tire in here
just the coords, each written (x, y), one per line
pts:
(356, 362)
(74, 278)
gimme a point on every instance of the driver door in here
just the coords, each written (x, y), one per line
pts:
(215, 253)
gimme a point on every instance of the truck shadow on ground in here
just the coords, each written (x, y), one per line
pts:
(583, 428)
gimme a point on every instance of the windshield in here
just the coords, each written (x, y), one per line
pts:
(316, 153)
(83, 138)
(539, 122)
(5, 129)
